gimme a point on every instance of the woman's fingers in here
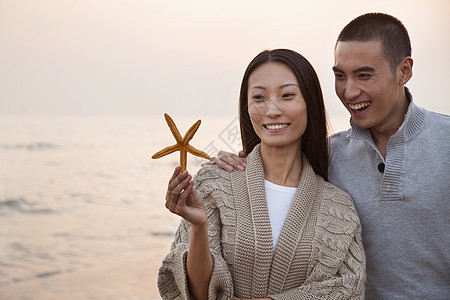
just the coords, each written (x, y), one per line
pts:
(175, 173)
(184, 195)
(176, 179)
(177, 187)
(182, 183)
(182, 199)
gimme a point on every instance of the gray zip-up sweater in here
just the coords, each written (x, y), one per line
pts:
(403, 203)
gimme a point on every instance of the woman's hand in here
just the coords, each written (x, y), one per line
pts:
(182, 199)
(229, 161)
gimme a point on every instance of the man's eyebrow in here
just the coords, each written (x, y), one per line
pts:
(364, 69)
(336, 69)
(357, 70)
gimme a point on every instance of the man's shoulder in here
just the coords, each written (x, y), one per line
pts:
(440, 118)
(339, 141)
(339, 136)
(435, 123)
(432, 116)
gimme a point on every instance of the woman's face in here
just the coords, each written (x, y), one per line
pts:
(276, 106)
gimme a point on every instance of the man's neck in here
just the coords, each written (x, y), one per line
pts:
(382, 134)
(381, 140)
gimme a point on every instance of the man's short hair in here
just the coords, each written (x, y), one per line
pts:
(382, 27)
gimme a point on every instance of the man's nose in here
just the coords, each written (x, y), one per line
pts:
(351, 90)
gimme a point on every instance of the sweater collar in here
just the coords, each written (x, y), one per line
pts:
(253, 257)
(411, 126)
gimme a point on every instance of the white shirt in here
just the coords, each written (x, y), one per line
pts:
(279, 201)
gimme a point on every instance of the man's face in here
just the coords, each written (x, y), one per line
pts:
(367, 87)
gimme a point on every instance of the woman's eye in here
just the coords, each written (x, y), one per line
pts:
(257, 97)
(288, 95)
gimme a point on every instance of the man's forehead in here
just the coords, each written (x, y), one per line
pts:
(356, 54)
(358, 47)
(357, 43)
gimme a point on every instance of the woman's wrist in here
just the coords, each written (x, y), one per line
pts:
(199, 228)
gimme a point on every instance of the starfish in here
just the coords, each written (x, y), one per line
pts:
(182, 144)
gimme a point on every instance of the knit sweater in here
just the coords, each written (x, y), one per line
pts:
(403, 203)
(319, 254)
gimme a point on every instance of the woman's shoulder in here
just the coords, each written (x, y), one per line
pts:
(212, 173)
(338, 204)
(212, 178)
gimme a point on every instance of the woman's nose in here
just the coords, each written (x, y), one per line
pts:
(272, 109)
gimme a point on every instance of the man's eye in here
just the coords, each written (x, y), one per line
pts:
(364, 76)
(338, 76)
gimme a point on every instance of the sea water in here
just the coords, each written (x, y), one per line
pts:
(77, 191)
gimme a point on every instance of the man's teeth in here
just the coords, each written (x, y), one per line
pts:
(359, 105)
(277, 126)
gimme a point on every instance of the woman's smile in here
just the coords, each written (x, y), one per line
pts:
(276, 127)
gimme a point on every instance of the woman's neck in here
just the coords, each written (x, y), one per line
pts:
(282, 165)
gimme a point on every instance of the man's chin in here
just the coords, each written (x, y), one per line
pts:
(361, 123)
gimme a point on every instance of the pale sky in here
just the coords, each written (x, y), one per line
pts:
(143, 57)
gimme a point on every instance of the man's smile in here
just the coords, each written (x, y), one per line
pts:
(360, 107)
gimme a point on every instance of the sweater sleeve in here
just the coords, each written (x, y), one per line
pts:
(339, 271)
(173, 276)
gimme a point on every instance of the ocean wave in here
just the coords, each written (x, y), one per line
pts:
(30, 146)
(20, 205)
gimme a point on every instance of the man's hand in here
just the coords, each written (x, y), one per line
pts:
(229, 161)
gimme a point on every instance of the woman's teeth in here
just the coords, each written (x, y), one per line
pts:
(277, 126)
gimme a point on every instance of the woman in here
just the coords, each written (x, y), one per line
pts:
(277, 230)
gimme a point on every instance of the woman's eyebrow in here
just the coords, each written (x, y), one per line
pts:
(288, 84)
(258, 87)
(281, 86)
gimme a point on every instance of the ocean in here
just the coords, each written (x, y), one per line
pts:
(81, 195)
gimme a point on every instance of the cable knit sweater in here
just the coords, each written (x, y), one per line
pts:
(319, 254)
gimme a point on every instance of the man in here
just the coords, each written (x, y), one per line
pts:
(394, 161)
